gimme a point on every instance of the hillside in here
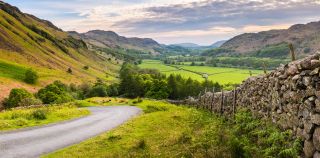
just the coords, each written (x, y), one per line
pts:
(111, 39)
(304, 37)
(29, 42)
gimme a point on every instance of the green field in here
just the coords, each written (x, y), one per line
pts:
(216, 74)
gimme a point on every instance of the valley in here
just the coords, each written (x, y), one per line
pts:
(124, 79)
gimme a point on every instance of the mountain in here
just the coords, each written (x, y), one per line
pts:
(217, 44)
(111, 39)
(29, 42)
(304, 37)
(187, 45)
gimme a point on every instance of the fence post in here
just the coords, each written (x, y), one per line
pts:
(293, 56)
(199, 100)
(212, 103)
(222, 101)
(234, 102)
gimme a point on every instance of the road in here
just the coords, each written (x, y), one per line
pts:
(34, 142)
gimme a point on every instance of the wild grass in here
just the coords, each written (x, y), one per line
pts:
(29, 117)
(166, 130)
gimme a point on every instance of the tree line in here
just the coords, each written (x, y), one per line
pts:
(150, 83)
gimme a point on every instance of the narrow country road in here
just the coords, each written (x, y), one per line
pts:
(35, 142)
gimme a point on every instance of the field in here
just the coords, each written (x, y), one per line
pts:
(21, 118)
(216, 74)
(167, 130)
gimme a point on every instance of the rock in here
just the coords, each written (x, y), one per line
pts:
(315, 71)
(317, 105)
(316, 154)
(315, 63)
(292, 70)
(305, 64)
(309, 127)
(308, 149)
(315, 119)
(316, 138)
(296, 77)
(306, 80)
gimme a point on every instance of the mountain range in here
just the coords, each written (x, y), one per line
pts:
(304, 37)
(104, 39)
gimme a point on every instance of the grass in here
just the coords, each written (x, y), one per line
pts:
(217, 74)
(21, 118)
(166, 130)
(12, 71)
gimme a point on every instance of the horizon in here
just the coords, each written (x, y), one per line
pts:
(201, 22)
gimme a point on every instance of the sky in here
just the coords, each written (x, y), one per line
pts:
(174, 21)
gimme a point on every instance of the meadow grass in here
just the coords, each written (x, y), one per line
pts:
(221, 75)
(29, 117)
(13, 71)
(167, 130)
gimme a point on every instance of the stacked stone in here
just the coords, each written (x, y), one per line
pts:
(289, 96)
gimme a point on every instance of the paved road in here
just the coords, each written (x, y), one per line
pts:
(35, 142)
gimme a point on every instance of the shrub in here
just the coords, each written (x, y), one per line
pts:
(86, 67)
(31, 76)
(16, 97)
(39, 114)
(98, 91)
(54, 93)
(69, 70)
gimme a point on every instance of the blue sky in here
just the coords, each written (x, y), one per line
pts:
(174, 21)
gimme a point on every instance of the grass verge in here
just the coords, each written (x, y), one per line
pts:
(166, 130)
(21, 118)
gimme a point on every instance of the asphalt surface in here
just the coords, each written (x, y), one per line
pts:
(35, 142)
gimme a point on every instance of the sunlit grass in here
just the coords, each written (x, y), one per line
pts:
(29, 117)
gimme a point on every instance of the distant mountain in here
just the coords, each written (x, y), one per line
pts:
(217, 44)
(111, 39)
(304, 37)
(187, 45)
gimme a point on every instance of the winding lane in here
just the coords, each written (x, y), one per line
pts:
(35, 142)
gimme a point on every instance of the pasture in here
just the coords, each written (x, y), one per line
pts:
(221, 75)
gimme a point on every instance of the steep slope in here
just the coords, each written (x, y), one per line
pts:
(304, 37)
(29, 42)
(111, 39)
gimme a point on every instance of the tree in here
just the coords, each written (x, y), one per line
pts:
(54, 93)
(16, 97)
(31, 76)
(193, 64)
(173, 87)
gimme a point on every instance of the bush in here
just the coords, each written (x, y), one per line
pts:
(16, 97)
(31, 76)
(86, 67)
(55, 93)
(98, 91)
(39, 114)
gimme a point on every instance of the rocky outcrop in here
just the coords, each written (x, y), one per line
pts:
(289, 96)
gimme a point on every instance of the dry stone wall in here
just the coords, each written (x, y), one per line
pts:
(289, 96)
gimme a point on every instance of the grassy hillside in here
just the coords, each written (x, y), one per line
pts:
(28, 42)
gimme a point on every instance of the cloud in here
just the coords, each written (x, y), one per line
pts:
(172, 21)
